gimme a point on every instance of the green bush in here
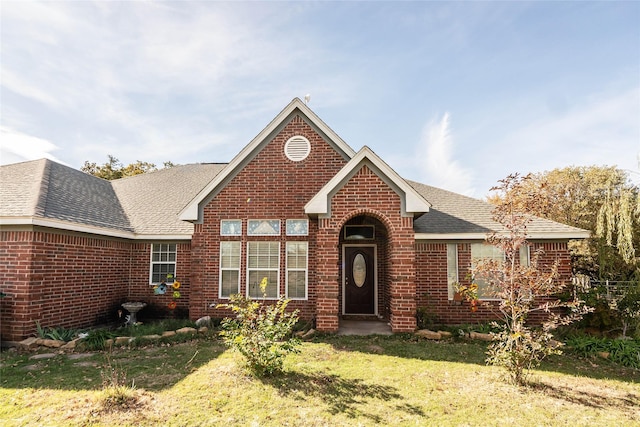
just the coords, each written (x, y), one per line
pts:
(261, 333)
(95, 340)
(625, 352)
(59, 334)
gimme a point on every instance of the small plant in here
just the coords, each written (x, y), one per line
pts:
(261, 333)
(96, 339)
(521, 289)
(116, 393)
(58, 334)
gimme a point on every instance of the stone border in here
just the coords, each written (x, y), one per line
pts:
(33, 344)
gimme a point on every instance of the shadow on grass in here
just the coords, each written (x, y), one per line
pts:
(341, 395)
(615, 400)
(472, 352)
(154, 367)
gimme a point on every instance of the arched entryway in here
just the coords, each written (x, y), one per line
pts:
(364, 291)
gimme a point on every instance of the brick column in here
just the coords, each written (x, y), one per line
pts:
(403, 282)
(327, 271)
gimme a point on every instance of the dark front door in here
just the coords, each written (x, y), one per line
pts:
(359, 280)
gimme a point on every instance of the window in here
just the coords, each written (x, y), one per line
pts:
(297, 255)
(231, 227)
(482, 251)
(263, 227)
(297, 227)
(229, 269)
(452, 267)
(163, 262)
(263, 260)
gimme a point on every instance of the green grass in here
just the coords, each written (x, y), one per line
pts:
(335, 380)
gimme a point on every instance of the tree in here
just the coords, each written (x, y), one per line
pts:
(114, 169)
(596, 198)
(521, 289)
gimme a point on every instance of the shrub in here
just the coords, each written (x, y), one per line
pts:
(261, 333)
(95, 340)
(59, 334)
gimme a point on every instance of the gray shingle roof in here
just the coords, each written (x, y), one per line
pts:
(149, 204)
(46, 189)
(453, 213)
(154, 200)
(142, 204)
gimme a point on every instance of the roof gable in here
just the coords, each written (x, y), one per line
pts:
(193, 210)
(412, 202)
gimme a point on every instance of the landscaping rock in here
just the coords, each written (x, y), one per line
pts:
(43, 356)
(29, 343)
(168, 333)
(430, 335)
(122, 340)
(52, 343)
(151, 337)
(108, 343)
(309, 334)
(203, 329)
(203, 321)
(186, 331)
(445, 334)
(604, 354)
(71, 344)
(480, 336)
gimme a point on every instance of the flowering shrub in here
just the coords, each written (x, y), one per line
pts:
(261, 333)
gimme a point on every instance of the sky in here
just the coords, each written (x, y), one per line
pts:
(457, 95)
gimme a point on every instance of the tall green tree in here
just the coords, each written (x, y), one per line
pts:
(114, 169)
(600, 199)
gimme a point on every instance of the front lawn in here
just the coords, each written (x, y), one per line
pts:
(335, 380)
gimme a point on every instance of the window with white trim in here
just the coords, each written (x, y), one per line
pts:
(263, 260)
(229, 268)
(452, 268)
(297, 256)
(163, 262)
(484, 251)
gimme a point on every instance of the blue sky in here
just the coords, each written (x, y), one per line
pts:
(452, 94)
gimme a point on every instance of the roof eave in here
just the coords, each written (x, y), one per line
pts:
(88, 229)
(549, 235)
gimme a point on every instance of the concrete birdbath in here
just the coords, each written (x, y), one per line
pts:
(133, 308)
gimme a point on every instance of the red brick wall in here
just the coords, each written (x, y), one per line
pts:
(366, 194)
(269, 187)
(432, 290)
(60, 280)
(140, 289)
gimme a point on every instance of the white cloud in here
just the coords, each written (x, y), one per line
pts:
(19, 147)
(435, 154)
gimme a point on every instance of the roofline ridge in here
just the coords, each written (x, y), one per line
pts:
(40, 205)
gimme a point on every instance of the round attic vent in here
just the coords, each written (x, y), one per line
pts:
(297, 148)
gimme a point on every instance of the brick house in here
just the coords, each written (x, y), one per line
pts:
(337, 231)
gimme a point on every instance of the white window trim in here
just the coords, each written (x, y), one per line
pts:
(305, 269)
(220, 296)
(277, 270)
(152, 263)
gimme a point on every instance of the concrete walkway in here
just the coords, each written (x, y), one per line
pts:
(364, 327)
